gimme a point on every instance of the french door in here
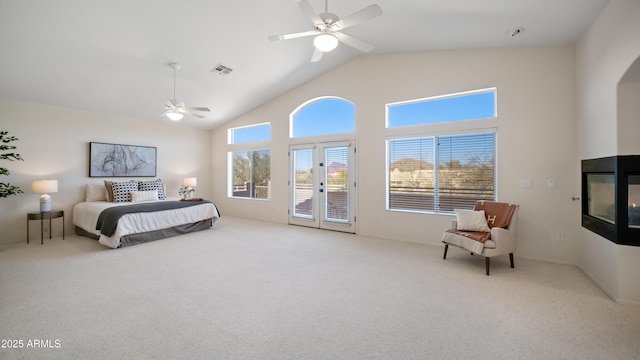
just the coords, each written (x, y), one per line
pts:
(322, 185)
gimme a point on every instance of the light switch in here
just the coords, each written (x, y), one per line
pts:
(526, 184)
(551, 184)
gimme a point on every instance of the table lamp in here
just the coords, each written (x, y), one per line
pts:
(44, 187)
(190, 183)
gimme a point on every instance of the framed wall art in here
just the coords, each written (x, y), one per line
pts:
(117, 160)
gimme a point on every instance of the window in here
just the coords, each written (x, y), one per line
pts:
(249, 170)
(250, 174)
(472, 105)
(322, 117)
(440, 173)
(252, 133)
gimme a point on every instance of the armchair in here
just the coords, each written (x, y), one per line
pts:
(489, 230)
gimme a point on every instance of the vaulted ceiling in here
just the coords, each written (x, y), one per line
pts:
(113, 56)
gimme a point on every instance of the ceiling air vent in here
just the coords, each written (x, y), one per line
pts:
(221, 70)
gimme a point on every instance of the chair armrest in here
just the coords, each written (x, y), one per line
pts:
(505, 240)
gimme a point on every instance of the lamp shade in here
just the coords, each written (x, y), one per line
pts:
(44, 186)
(325, 42)
(191, 181)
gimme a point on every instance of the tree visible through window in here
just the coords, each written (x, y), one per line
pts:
(251, 177)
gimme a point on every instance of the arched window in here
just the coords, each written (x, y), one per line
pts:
(322, 116)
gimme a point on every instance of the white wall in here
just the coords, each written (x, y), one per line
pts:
(54, 143)
(536, 139)
(603, 55)
(628, 108)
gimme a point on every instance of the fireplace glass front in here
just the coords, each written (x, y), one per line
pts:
(634, 201)
(601, 193)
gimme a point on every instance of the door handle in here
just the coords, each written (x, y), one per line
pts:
(321, 190)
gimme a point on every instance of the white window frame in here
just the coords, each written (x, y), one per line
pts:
(231, 131)
(230, 169)
(493, 90)
(311, 101)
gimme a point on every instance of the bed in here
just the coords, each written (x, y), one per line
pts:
(125, 223)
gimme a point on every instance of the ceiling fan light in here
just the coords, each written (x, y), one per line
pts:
(325, 42)
(174, 115)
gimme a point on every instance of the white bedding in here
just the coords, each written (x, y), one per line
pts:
(85, 216)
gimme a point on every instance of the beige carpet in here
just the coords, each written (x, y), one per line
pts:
(255, 290)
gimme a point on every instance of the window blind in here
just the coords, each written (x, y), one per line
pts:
(441, 173)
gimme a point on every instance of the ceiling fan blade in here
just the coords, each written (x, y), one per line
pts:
(293, 35)
(191, 113)
(188, 108)
(363, 15)
(169, 105)
(317, 55)
(353, 42)
(307, 9)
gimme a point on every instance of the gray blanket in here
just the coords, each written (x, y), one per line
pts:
(108, 218)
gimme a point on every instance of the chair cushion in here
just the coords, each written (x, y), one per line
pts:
(489, 244)
(478, 236)
(472, 241)
(470, 220)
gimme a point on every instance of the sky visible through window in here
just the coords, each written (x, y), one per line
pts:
(323, 117)
(241, 135)
(472, 106)
(334, 115)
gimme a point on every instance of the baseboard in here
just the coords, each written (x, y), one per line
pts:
(598, 283)
(545, 260)
(606, 291)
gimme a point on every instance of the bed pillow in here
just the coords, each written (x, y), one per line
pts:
(95, 193)
(150, 195)
(122, 191)
(108, 191)
(153, 185)
(470, 220)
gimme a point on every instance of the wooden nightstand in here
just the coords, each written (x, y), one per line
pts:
(39, 215)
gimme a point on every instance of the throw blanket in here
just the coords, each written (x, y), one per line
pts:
(108, 219)
(470, 240)
(498, 214)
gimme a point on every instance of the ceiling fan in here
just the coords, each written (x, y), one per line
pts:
(175, 108)
(327, 27)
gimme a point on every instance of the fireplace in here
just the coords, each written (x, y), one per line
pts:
(611, 198)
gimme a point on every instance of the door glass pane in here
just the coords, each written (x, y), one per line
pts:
(337, 180)
(303, 182)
